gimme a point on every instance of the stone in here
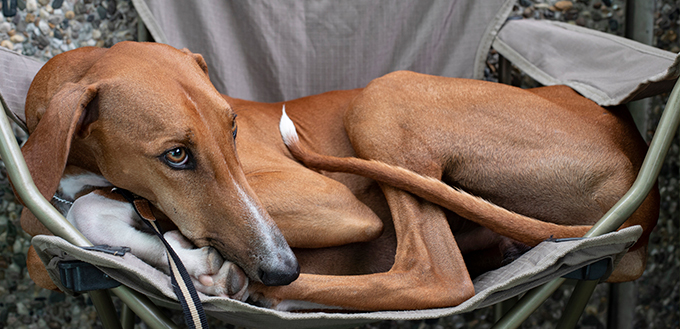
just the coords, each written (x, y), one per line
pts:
(42, 42)
(111, 7)
(5, 27)
(613, 25)
(22, 309)
(79, 8)
(44, 27)
(669, 36)
(55, 19)
(29, 49)
(571, 14)
(564, 5)
(42, 323)
(581, 21)
(31, 5)
(75, 25)
(16, 19)
(57, 4)
(7, 44)
(123, 7)
(44, 14)
(102, 12)
(596, 16)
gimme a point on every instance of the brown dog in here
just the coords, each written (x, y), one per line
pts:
(146, 118)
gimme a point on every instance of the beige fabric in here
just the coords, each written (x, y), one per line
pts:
(546, 261)
(608, 69)
(270, 51)
(16, 73)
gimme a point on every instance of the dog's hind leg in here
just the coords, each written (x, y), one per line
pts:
(428, 271)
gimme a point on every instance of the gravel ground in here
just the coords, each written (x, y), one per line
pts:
(44, 28)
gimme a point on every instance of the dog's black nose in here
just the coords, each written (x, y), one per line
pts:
(280, 276)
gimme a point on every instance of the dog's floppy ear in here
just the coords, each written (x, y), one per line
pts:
(199, 60)
(47, 148)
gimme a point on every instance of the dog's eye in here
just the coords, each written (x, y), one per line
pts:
(178, 158)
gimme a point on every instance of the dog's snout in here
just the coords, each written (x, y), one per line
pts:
(281, 275)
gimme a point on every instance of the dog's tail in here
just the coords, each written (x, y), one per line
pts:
(527, 230)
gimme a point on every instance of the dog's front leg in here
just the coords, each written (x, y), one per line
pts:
(106, 219)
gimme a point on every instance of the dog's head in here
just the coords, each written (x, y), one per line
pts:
(147, 118)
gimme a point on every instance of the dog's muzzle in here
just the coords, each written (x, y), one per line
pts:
(280, 276)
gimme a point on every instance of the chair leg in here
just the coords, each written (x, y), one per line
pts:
(504, 70)
(622, 300)
(105, 309)
(577, 303)
(127, 317)
(527, 304)
(501, 308)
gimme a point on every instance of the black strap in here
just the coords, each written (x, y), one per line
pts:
(181, 281)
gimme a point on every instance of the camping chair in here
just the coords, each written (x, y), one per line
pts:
(282, 75)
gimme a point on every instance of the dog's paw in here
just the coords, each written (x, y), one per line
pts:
(197, 261)
(230, 281)
(257, 293)
(211, 274)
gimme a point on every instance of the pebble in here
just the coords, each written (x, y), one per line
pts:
(44, 14)
(5, 27)
(564, 5)
(55, 19)
(7, 44)
(31, 5)
(44, 27)
(22, 309)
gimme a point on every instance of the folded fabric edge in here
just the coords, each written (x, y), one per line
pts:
(655, 84)
(213, 304)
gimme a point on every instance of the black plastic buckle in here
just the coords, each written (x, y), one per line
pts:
(80, 277)
(594, 271)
